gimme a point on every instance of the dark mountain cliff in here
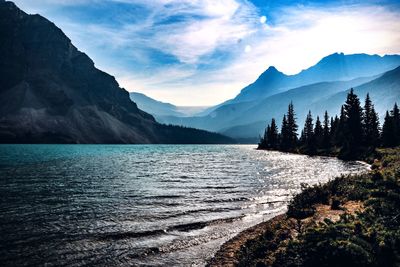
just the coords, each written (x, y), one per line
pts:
(52, 93)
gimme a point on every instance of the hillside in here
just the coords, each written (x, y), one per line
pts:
(52, 93)
(384, 91)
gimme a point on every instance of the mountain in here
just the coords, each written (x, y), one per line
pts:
(384, 92)
(161, 109)
(229, 118)
(335, 67)
(52, 93)
(245, 115)
(214, 121)
(255, 118)
(268, 83)
(154, 107)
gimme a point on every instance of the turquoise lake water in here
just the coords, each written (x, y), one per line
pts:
(142, 205)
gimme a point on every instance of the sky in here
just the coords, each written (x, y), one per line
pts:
(203, 52)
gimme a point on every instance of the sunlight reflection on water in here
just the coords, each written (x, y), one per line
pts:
(142, 204)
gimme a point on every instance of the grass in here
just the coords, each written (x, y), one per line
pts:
(367, 237)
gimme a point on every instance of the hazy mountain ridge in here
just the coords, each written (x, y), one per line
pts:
(239, 119)
(384, 92)
(153, 106)
(335, 67)
(161, 109)
(251, 116)
(255, 118)
(52, 93)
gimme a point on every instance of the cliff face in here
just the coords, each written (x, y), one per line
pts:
(52, 93)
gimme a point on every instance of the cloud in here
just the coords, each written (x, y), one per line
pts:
(302, 36)
(202, 52)
(199, 28)
(297, 40)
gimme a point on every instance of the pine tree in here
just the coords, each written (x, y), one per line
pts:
(326, 140)
(388, 133)
(318, 133)
(339, 131)
(375, 128)
(308, 127)
(391, 128)
(353, 127)
(308, 135)
(371, 124)
(291, 127)
(265, 141)
(302, 139)
(395, 113)
(285, 138)
(273, 136)
(334, 130)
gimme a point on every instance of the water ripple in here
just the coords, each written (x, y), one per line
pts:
(144, 205)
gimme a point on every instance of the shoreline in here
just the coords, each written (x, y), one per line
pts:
(230, 251)
(227, 254)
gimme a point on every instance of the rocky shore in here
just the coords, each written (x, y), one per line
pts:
(351, 219)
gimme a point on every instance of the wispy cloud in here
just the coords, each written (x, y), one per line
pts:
(201, 52)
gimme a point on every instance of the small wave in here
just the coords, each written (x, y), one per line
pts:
(163, 197)
(127, 235)
(217, 187)
(200, 225)
(181, 227)
(209, 210)
(174, 181)
(235, 199)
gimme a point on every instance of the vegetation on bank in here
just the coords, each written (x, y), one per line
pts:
(368, 236)
(353, 135)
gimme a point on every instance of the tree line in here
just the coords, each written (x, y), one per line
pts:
(356, 132)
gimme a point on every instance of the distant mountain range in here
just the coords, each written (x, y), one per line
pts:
(318, 88)
(335, 67)
(52, 93)
(160, 109)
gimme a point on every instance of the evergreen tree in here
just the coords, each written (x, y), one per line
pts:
(371, 124)
(291, 127)
(355, 132)
(391, 128)
(264, 142)
(273, 137)
(388, 133)
(353, 127)
(334, 130)
(308, 127)
(339, 129)
(302, 139)
(308, 135)
(285, 136)
(395, 113)
(375, 128)
(318, 132)
(326, 140)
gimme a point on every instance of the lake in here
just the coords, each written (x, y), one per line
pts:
(142, 205)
